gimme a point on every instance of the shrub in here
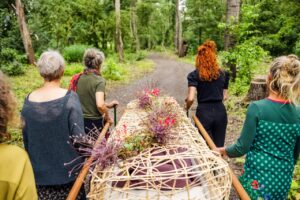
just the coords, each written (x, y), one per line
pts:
(297, 48)
(13, 68)
(295, 186)
(74, 53)
(112, 71)
(73, 68)
(141, 55)
(11, 62)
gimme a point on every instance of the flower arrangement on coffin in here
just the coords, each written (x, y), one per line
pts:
(134, 144)
(160, 123)
(161, 119)
(104, 154)
(146, 97)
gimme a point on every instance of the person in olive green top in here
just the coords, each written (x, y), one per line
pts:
(16, 174)
(271, 134)
(90, 88)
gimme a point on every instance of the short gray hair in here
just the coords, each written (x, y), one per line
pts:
(93, 58)
(51, 65)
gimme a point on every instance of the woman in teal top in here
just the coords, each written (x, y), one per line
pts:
(270, 137)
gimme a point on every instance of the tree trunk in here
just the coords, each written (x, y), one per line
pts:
(133, 25)
(232, 16)
(24, 32)
(258, 90)
(119, 40)
(178, 36)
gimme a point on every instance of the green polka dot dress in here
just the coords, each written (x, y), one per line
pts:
(269, 138)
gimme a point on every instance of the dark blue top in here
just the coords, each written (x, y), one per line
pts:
(47, 130)
(208, 91)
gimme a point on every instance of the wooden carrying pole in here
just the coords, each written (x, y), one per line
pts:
(79, 181)
(235, 182)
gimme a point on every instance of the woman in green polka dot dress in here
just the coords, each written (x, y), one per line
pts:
(271, 134)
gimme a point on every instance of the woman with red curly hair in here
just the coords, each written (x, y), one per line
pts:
(211, 84)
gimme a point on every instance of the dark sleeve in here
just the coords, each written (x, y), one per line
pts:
(227, 77)
(23, 124)
(244, 142)
(76, 125)
(193, 79)
(297, 150)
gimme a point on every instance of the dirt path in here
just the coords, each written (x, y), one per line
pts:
(170, 76)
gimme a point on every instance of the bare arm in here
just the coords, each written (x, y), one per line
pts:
(225, 94)
(101, 106)
(190, 97)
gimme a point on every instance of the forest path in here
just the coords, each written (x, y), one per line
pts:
(169, 75)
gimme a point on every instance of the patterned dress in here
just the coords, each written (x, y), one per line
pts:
(270, 138)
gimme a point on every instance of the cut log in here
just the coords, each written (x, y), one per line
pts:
(258, 90)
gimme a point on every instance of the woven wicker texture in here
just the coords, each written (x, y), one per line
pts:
(184, 168)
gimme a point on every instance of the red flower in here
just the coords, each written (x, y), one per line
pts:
(167, 121)
(173, 121)
(155, 92)
(255, 185)
(125, 128)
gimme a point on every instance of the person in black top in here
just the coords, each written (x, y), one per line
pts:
(211, 84)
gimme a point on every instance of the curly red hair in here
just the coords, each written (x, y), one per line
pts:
(206, 61)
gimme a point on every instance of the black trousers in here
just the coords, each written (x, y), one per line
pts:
(213, 117)
(93, 127)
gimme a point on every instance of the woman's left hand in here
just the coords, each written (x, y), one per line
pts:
(113, 104)
(221, 150)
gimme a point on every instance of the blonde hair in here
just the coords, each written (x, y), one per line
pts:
(51, 65)
(285, 72)
(7, 107)
(93, 58)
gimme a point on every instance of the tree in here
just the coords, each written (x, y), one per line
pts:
(178, 32)
(119, 41)
(232, 17)
(133, 25)
(24, 32)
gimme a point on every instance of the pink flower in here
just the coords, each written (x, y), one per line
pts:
(125, 128)
(167, 121)
(155, 92)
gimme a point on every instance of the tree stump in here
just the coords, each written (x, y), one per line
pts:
(258, 90)
(184, 49)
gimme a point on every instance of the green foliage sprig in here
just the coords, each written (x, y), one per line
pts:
(11, 62)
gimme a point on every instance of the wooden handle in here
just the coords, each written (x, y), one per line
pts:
(115, 115)
(85, 169)
(235, 181)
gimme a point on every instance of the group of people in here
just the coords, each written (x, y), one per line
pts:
(270, 137)
(51, 115)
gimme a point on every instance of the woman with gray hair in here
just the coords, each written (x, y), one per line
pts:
(271, 134)
(51, 116)
(90, 87)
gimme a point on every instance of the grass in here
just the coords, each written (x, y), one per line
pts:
(31, 80)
